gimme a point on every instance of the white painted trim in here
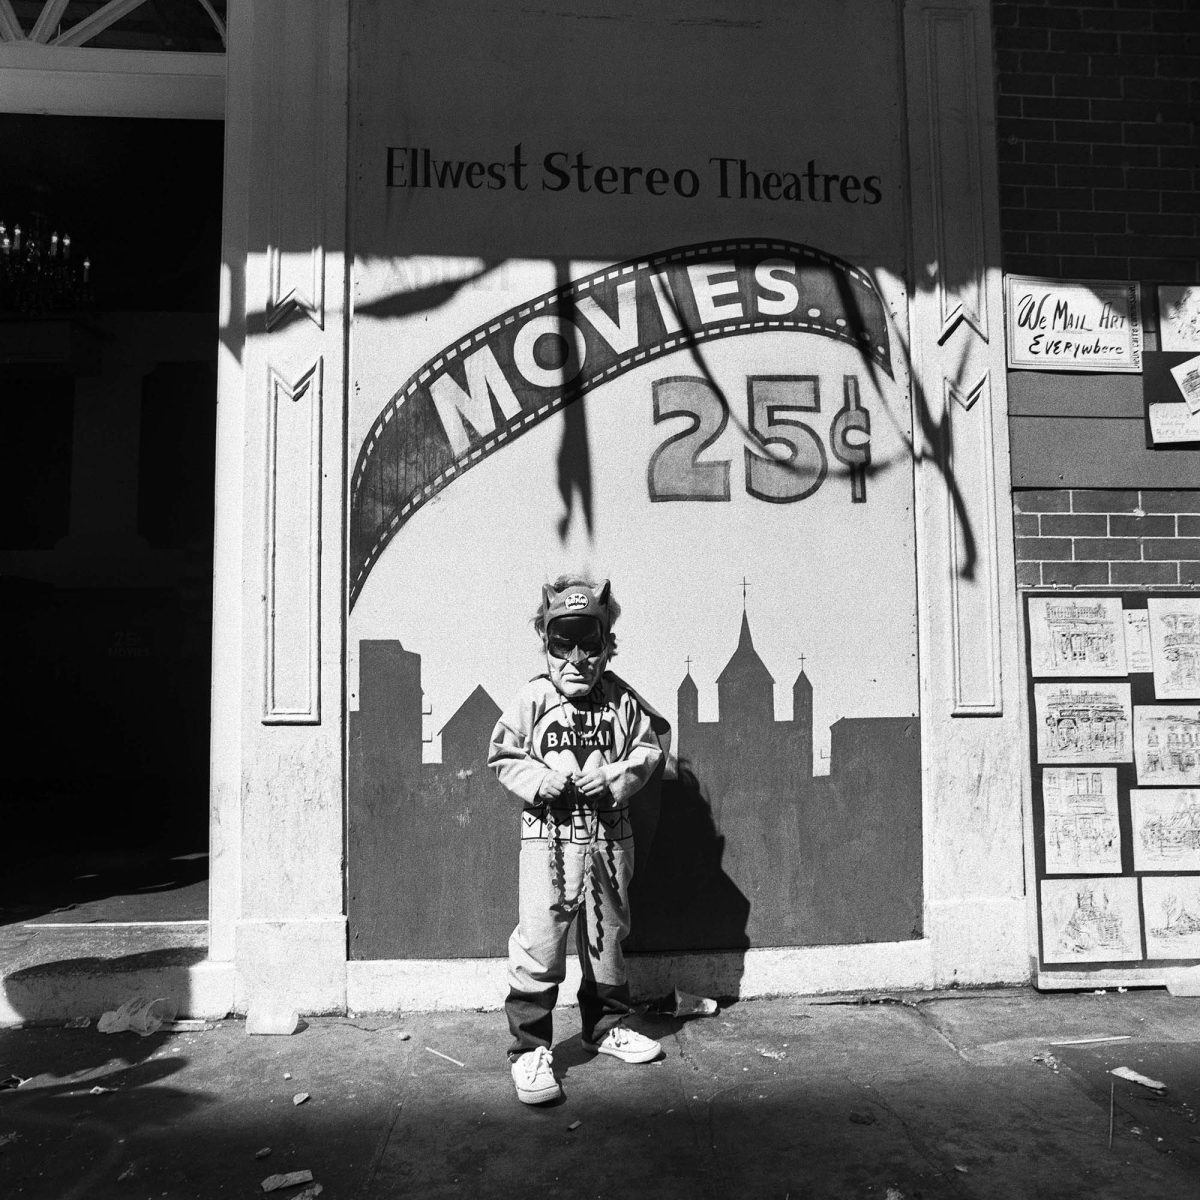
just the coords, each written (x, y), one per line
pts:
(1102, 980)
(292, 550)
(430, 985)
(10, 27)
(48, 20)
(114, 924)
(94, 25)
(204, 989)
(228, 631)
(67, 81)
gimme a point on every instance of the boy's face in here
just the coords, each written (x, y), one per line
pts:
(576, 651)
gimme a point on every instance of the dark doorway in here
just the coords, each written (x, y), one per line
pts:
(107, 484)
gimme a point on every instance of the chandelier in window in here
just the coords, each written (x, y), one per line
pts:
(40, 270)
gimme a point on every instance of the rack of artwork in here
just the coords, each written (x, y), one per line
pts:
(1114, 709)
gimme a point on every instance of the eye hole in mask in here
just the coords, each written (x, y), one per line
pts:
(569, 648)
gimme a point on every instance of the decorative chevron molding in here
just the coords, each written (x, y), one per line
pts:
(292, 550)
(965, 399)
(296, 286)
(962, 316)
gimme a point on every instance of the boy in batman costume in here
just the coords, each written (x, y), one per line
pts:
(576, 745)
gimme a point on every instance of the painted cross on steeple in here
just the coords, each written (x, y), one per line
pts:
(744, 585)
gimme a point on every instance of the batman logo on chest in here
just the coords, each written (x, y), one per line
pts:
(585, 737)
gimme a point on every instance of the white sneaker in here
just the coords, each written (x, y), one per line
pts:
(627, 1045)
(533, 1074)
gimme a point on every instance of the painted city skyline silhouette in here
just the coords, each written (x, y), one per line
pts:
(745, 847)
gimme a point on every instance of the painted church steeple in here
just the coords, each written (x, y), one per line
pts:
(802, 721)
(745, 688)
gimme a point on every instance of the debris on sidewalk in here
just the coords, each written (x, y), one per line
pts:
(187, 1025)
(272, 1020)
(1049, 1060)
(77, 1023)
(265, 1152)
(687, 1005)
(101, 1091)
(143, 1015)
(859, 1117)
(574, 1125)
(1090, 1041)
(775, 1054)
(6, 1138)
(445, 1056)
(12, 1082)
(403, 1035)
(273, 1183)
(678, 1003)
(1126, 1073)
(310, 1193)
(300, 1097)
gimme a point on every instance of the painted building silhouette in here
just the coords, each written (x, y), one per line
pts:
(822, 860)
(745, 847)
(432, 856)
(756, 773)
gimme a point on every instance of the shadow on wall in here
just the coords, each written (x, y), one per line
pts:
(681, 896)
(744, 847)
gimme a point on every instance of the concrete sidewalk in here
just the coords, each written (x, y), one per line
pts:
(920, 1096)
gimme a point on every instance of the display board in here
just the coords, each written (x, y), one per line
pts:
(636, 310)
(1114, 706)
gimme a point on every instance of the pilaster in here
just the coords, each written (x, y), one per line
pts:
(278, 908)
(973, 762)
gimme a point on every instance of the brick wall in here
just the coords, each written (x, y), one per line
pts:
(1092, 537)
(1096, 123)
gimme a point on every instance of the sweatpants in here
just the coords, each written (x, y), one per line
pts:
(561, 880)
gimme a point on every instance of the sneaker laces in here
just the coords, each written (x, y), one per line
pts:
(537, 1061)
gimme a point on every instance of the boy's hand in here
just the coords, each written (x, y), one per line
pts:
(592, 784)
(553, 785)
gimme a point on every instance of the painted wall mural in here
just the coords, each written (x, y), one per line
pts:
(672, 357)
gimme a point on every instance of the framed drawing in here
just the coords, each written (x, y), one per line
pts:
(1082, 825)
(1073, 636)
(1172, 907)
(1166, 828)
(1090, 920)
(1083, 722)
(1166, 744)
(1175, 646)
